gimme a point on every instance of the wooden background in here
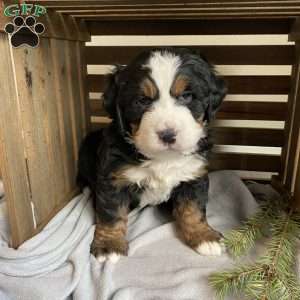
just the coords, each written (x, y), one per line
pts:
(256, 63)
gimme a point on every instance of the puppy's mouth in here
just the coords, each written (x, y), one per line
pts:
(177, 148)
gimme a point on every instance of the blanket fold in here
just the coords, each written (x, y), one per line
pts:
(56, 264)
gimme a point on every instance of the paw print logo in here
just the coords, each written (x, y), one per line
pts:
(24, 32)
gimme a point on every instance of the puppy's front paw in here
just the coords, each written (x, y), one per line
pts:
(109, 249)
(112, 257)
(212, 244)
(211, 248)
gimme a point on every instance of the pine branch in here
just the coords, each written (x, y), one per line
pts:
(232, 282)
(273, 276)
(238, 242)
(280, 259)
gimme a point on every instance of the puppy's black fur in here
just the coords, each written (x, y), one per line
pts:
(105, 152)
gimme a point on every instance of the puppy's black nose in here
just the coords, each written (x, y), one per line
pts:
(167, 136)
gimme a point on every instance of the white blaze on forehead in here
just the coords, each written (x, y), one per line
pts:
(163, 68)
(166, 112)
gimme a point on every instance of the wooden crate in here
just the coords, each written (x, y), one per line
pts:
(49, 101)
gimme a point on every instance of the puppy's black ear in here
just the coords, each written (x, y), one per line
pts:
(205, 72)
(111, 97)
(112, 90)
(218, 90)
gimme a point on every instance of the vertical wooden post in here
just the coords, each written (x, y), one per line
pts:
(290, 156)
(42, 122)
(12, 160)
(297, 176)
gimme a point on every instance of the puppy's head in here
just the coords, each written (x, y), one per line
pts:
(163, 99)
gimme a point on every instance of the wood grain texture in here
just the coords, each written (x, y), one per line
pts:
(73, 101)
(64, 27)
(63, 95)
(12, 157)
(35, 89)
(176, 9)
(297, 177)
(82, 80)
(292, 171)
(292, 125)
(42, 123)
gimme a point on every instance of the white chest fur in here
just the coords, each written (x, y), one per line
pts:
(159, 176)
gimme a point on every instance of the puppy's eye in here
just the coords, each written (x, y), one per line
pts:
(186, 97)
(144, 100)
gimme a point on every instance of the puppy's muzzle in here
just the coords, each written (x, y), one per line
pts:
(167, 136)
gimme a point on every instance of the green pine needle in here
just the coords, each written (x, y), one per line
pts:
(238, 242)
(232, 282)
(273, 276)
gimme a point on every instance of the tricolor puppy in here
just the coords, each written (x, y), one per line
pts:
(155, 149)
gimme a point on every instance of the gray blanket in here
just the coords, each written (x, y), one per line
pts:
(56, 264)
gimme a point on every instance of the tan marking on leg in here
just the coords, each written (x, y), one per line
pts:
(192, 226)
(110, 238)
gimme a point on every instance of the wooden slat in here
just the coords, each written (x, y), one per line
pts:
(96, 126)
(63, 96)
(230, 110)
(82, 77)
(74, 99)
(297, 180)
(96, 108)
(240, 110)
(247, 136)
(64, 27)
(51, 123)
(47, 106)
(221, 55)
(189, 27)
(12, 157)
(249, 162)
(258, 84)
(189, 15)
(236, 84)
(34, 88)
(292, 127)
(175, 8)
(87, 4)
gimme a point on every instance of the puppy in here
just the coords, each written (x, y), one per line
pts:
(155, 149)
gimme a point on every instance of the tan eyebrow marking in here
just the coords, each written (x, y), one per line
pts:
(179, 85)
(148, 88)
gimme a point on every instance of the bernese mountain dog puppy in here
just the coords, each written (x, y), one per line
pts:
(156, 148)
